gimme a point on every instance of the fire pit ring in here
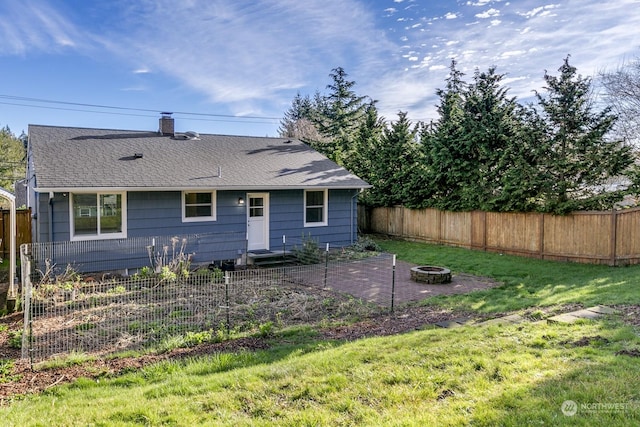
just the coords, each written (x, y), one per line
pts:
(431, 274)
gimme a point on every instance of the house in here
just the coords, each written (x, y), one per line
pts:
(101, 184)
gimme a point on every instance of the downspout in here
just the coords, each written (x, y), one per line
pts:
(50, 216)
(354, 207)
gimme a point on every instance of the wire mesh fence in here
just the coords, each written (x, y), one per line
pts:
(152, 308)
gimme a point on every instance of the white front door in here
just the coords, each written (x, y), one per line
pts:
(258, 221)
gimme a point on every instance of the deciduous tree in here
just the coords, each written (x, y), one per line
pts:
(12, 159)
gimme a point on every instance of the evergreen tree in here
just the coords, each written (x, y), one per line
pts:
(491, 138)
(520, 162)
(580, 159)
(445, 157)
(366, 140)
(394, 163)
(339, 115)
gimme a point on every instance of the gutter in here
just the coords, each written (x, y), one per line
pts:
(212, 187)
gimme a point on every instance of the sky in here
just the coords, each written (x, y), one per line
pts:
(234, 66)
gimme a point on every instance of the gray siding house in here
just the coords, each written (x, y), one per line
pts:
(100, 184)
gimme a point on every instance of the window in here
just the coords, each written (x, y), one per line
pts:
(256, 207)
(315, 208)
(198, 206)
(98, 216)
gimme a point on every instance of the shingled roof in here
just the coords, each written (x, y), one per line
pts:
(66, 158)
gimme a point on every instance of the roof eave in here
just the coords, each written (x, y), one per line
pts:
(219, 188)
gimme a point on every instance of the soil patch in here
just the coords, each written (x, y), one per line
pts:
(632, 353)
(585, 341)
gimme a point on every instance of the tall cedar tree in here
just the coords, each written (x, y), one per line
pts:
(394, 163)
(359, 158)
(338, 116)
(491, 141)
(580, 160)
(446, 158)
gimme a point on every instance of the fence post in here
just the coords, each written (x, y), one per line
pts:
(25, 263)
(226, 299)
(393, 282)
(326, 266)
(614, 238)
(284, 248)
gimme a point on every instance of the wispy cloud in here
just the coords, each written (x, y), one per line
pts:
(27, 26)
(248, 50)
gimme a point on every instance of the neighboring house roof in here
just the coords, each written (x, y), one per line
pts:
(66, 158)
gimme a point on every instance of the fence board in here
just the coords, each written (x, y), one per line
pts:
(628, 231)
(513, 232)
(581, 237)
(601, 237)
(23, 230)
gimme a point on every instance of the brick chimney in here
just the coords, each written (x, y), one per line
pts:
(166, 124)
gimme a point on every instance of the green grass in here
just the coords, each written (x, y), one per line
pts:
(514, 375)
(526, 282)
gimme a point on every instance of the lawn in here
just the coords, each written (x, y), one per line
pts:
(526, 282)
(534, 373)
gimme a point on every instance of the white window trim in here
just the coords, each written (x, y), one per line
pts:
(99, 236)
(325, 209)
(214, 207)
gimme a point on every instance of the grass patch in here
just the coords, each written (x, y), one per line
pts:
(73, 358)
(526, 282)
(501, 375)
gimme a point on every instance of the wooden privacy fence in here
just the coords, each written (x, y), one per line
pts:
(23, 230)
(598, 237)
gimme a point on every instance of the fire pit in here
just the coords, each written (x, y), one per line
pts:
(431, 275)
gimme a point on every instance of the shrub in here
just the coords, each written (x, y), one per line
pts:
(309, 253)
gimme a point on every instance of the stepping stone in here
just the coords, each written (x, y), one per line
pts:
(448, 324)
(463, 320)
(506, 320)
(603, 309)
(573, 316)
(454, 323)
(585, 314)
(562, 318)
